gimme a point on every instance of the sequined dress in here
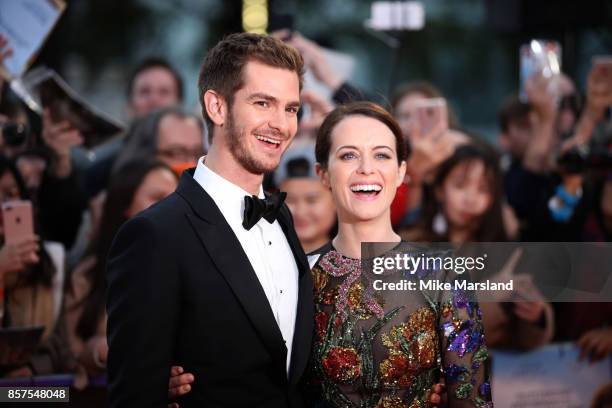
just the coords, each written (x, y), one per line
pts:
(385, 349)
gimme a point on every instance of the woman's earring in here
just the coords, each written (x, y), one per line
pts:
(439, 224)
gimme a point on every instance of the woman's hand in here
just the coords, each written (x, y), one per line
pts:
(179, 384)
(596, 344)
(15, 257)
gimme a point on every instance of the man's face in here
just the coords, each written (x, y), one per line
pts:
(517, 137)
(153, 88)
(179, 140)
(263, 117)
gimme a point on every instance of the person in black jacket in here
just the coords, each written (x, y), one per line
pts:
(213, 277)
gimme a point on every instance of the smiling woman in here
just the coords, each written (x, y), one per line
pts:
(375, 346)
(361, 155)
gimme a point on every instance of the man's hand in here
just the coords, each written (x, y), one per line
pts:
(60, 137)
(179, 384)
(596, 344)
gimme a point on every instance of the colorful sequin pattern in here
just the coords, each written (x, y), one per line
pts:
(379, 349)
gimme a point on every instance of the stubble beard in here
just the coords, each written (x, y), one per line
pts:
(237, 145)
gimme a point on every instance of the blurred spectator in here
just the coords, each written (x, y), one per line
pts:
(79, 342)
(467, 207)
(598, 226)
(27, 271)
(429, 148)
(172, 135)
(545, 180)
(31, 165)
(61, 196)
(467, 199)
(154, 84)
(15, 130)
(311, 204)
(404, 101)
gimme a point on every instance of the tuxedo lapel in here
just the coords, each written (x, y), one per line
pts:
(231, 261)
(304, 320)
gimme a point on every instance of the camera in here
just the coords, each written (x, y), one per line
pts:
(14, 134)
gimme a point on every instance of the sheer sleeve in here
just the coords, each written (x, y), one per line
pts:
(463, 349)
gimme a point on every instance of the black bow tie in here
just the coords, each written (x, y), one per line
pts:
(255, 209)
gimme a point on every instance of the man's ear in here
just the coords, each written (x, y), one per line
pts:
(216, 107)
(323, 175)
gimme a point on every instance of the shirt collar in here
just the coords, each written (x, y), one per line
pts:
(228, 196)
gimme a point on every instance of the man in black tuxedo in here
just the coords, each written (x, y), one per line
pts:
(213, 278)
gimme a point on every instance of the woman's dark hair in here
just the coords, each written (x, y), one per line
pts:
(120, 194)
(44, 270)
(491, 228)
(368, 109)
(142, 137)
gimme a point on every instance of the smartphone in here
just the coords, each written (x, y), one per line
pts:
(540, 57)
(431, 113)
(18, 221)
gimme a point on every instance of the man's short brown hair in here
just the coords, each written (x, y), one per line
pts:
(223, 65)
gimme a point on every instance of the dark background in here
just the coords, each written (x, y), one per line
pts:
(468, 48)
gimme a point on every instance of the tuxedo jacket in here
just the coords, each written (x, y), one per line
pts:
(181, 291)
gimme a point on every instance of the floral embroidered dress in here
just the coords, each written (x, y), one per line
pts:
(385, 349)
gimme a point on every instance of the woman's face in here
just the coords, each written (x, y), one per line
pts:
(362, 171)
(9, 191)
(157, 184)
(465, 194)
(312, 206)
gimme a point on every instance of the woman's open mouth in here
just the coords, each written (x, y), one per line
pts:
(366, 191)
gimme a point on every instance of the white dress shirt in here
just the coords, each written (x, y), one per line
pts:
(266, 247)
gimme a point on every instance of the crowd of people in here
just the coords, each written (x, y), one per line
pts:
(541, 180)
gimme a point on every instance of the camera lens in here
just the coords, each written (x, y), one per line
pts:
(14, 134)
